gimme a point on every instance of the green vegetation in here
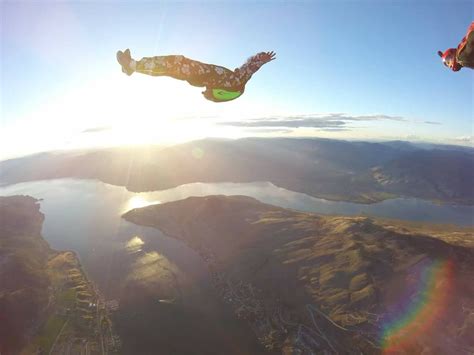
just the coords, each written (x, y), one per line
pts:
(49, 332)
(67, 298)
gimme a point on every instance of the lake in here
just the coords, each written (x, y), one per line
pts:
(159, 281)
(166, 299)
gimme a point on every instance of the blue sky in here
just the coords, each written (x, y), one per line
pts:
(369, 65)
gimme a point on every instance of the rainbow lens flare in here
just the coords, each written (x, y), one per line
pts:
(422, 307)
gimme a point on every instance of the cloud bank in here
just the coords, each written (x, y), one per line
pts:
(326, 122)
(465, 140)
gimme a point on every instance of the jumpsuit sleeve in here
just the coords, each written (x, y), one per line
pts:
(245, 72)
(465, 50)
(466, 37)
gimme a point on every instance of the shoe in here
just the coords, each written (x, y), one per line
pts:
(124, 59)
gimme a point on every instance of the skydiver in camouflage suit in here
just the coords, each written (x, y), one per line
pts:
(462, 56)
(221, 83)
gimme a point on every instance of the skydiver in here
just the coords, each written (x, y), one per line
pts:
(463, 55)
(221, 83)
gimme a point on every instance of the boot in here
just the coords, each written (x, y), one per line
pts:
(124, 59)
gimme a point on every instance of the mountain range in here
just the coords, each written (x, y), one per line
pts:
(363, 172)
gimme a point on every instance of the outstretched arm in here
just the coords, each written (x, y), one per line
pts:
(465, 50)
(463, 42)
(245, 72)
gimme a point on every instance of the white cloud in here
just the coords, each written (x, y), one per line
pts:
(327, 122)
(467, 140)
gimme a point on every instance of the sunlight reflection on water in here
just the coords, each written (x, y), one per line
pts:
(156, 272)
(139, 201)
(134, 245)
(112, 201)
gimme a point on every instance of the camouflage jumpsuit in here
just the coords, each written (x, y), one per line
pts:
(465, 50)
(200, 74)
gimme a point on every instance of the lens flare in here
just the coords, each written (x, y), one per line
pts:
(420, 310)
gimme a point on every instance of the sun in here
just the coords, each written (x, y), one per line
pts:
(144, 109)
(115, 109)
(151, 110)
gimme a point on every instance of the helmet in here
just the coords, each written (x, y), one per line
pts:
(449, 59)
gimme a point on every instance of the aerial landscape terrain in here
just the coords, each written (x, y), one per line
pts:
(329, 284)
(237, 177)
(281, 280)
(49, 305)
(361, 172)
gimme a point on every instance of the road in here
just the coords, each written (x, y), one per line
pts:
(57, 337)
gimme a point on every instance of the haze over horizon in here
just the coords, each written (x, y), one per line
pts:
(359, 70)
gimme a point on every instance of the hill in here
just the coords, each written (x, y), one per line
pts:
(45, 297)
(329, 284)
(24, 255)
(336, 170)
(425, 174)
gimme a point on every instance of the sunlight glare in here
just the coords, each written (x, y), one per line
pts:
(139, 202)
(134, 245)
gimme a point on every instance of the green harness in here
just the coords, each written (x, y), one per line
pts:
(224, 95)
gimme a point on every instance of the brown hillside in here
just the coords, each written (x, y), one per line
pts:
(305, 281)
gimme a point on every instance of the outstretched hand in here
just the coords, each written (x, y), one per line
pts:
(268, 56)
